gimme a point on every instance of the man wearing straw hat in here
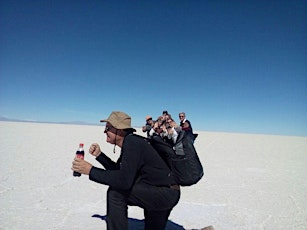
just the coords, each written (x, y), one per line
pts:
(140, 177)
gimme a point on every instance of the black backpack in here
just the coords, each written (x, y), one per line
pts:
(181, 158)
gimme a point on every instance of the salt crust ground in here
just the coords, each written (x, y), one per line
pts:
(250, 182)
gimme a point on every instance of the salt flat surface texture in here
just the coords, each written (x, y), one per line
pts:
(250, 182)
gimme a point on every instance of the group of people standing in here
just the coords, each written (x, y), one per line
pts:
(166, 126)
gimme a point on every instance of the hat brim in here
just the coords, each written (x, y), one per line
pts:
(106, 120)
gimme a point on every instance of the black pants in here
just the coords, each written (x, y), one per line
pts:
(157, 203)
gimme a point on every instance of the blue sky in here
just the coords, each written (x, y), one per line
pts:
(234, 66)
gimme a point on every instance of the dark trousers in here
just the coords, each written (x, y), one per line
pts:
(157, 203)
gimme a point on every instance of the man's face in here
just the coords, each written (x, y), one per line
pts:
(111, 133)
(181, 117)
(150, 122)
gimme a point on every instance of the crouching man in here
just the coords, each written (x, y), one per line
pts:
(140, 177)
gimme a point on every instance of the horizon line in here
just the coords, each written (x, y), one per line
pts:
(5, 119)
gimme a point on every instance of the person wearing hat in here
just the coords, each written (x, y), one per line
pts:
(140, 177)
(148, 126)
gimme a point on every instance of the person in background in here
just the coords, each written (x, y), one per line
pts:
(164, 113)
(186, 126)
(140, 177)
(173, 130)
(148, 126)
(166, 116)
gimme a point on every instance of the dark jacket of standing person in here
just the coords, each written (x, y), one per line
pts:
(186, 126)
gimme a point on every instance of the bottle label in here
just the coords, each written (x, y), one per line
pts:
(81, 156)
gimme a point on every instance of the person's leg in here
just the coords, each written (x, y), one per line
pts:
(156, 220)
(151, 197)
(117, 210)
(157, 203)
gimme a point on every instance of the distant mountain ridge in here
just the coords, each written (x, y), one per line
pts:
(2, 118)
(8, 119)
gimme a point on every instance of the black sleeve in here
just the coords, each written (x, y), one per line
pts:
(122, 178)
(106, 162)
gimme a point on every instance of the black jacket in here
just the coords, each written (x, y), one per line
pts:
(138, 160)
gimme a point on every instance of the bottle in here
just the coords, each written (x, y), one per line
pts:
(79, 154)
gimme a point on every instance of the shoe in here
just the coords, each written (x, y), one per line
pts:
(205, 228)
(208, 228)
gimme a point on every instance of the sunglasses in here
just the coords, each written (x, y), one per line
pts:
(181, 116)
(108, 128)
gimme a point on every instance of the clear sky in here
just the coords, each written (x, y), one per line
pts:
(234, 66)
